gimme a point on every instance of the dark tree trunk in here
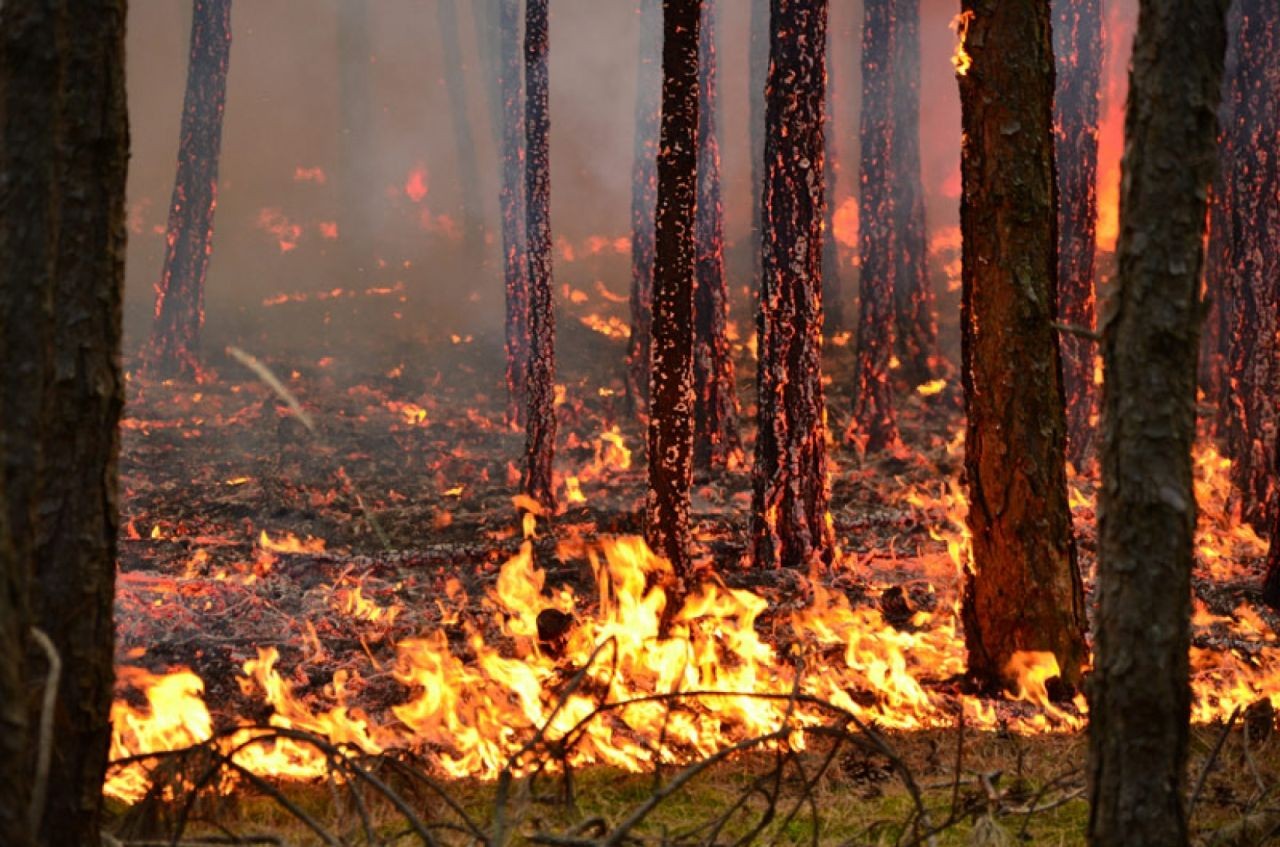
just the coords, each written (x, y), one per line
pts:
(74, 591)
(358, 180)
(789, 509)
(15, 787)
(1140, 696)
(455, 81)
(644, 200)
(1023, 591)
(832, 283)
(540, 423)
(916, 337)
(757, 78)
(1271, 583)
(1077, 34)
(514, 261)
(716, 443)
(175, 338)
(671, 393)
(1253, 269)
(873, 427)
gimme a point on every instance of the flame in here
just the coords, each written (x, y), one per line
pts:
(960, 59)
(415, 184)
(844, 222)
(290, 543)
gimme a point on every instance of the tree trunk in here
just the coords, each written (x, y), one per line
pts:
(716, 443)
(789, 509)
(1078, 49)
(832, 283)
(514, 260)
(455, 82)
(1140, 695)
(916, 336)
(644, 201)
(1023, 590)
(175, 338)
(757, 77)
(74, 591)
(359, 185)
(873, 427)
(15, 788)
(671, 393)
(1253, 269)
(540, 425)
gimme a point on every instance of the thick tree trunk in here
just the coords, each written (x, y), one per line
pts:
(671, 394)
(357, 176)
(15, 786)
(789, 509)
(74, 591)
(716, 441)
(455, 81)
(1077, 34)
(1253, 269)
(644, 200)
(1023, 591)
(873, 427)
(916, 336)
(540, 424)
(515, 269)
(1140, 696)
(175, 337)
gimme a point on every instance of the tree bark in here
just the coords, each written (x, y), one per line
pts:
(833, 321)
(671, 393)
(757, 78)
(789, 509)
(644, 200)
(514, 260)
(1077, 36)
(1140, 695)
(1023, 590)
(15, 787)
(175, 337)
(455, 82)
(716, 444)
(540, 425)
(873, 427)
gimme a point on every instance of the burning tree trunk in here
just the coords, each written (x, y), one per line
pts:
(515, 263)
(644, 200)
(358, 180)
(716, 402)
(175, 338)
(77, 507)
(789, 510)
(1023, 591)
(1140, 695)
(540, 423)
(916, 330)
(1253, 270)
(456, 85)
(671, 390)
(873, 427)
(1078, 50)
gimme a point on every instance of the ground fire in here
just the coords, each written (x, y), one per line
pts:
(652, 422)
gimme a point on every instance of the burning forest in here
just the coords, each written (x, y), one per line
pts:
(647, 422)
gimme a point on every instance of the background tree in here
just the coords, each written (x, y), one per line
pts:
(1077, 42)
(540, 423)
(1023, 591)
(175, 337)
(357, 174)
(1140, 696)
(758, 46)
(455, 82)
(511, 198)
(789, 505)
(833, 299)
(644, 200)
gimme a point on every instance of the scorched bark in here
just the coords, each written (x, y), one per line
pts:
(644, 199)
(514, 260)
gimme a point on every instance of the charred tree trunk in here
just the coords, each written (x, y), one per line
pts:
(757, 78)
(716, 443)
(1253, 270)
(1077, 36)
(357, 175)
(540, 424)
(671, 393)
(514, 261)
(15, 787)
(1023, 590)
(832, 284)
(455, 81)
(789, 509)
(74, 592)
(644, 200)
(1140, 696)
(916, 330)
(175, 338)
(873, 427)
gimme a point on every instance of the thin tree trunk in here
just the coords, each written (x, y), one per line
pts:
(644, 200)
(789, 509)
(455, 81)
(74, 593)
(832, 283)
(757, 77)
(716, 444)
(1078, 49)
(873, 427)
(540, 424)
(358, 182)
(671, 393)
(514, 260)
(916, 330)
(1023, 591)
(175, 337)
(1140, 696)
